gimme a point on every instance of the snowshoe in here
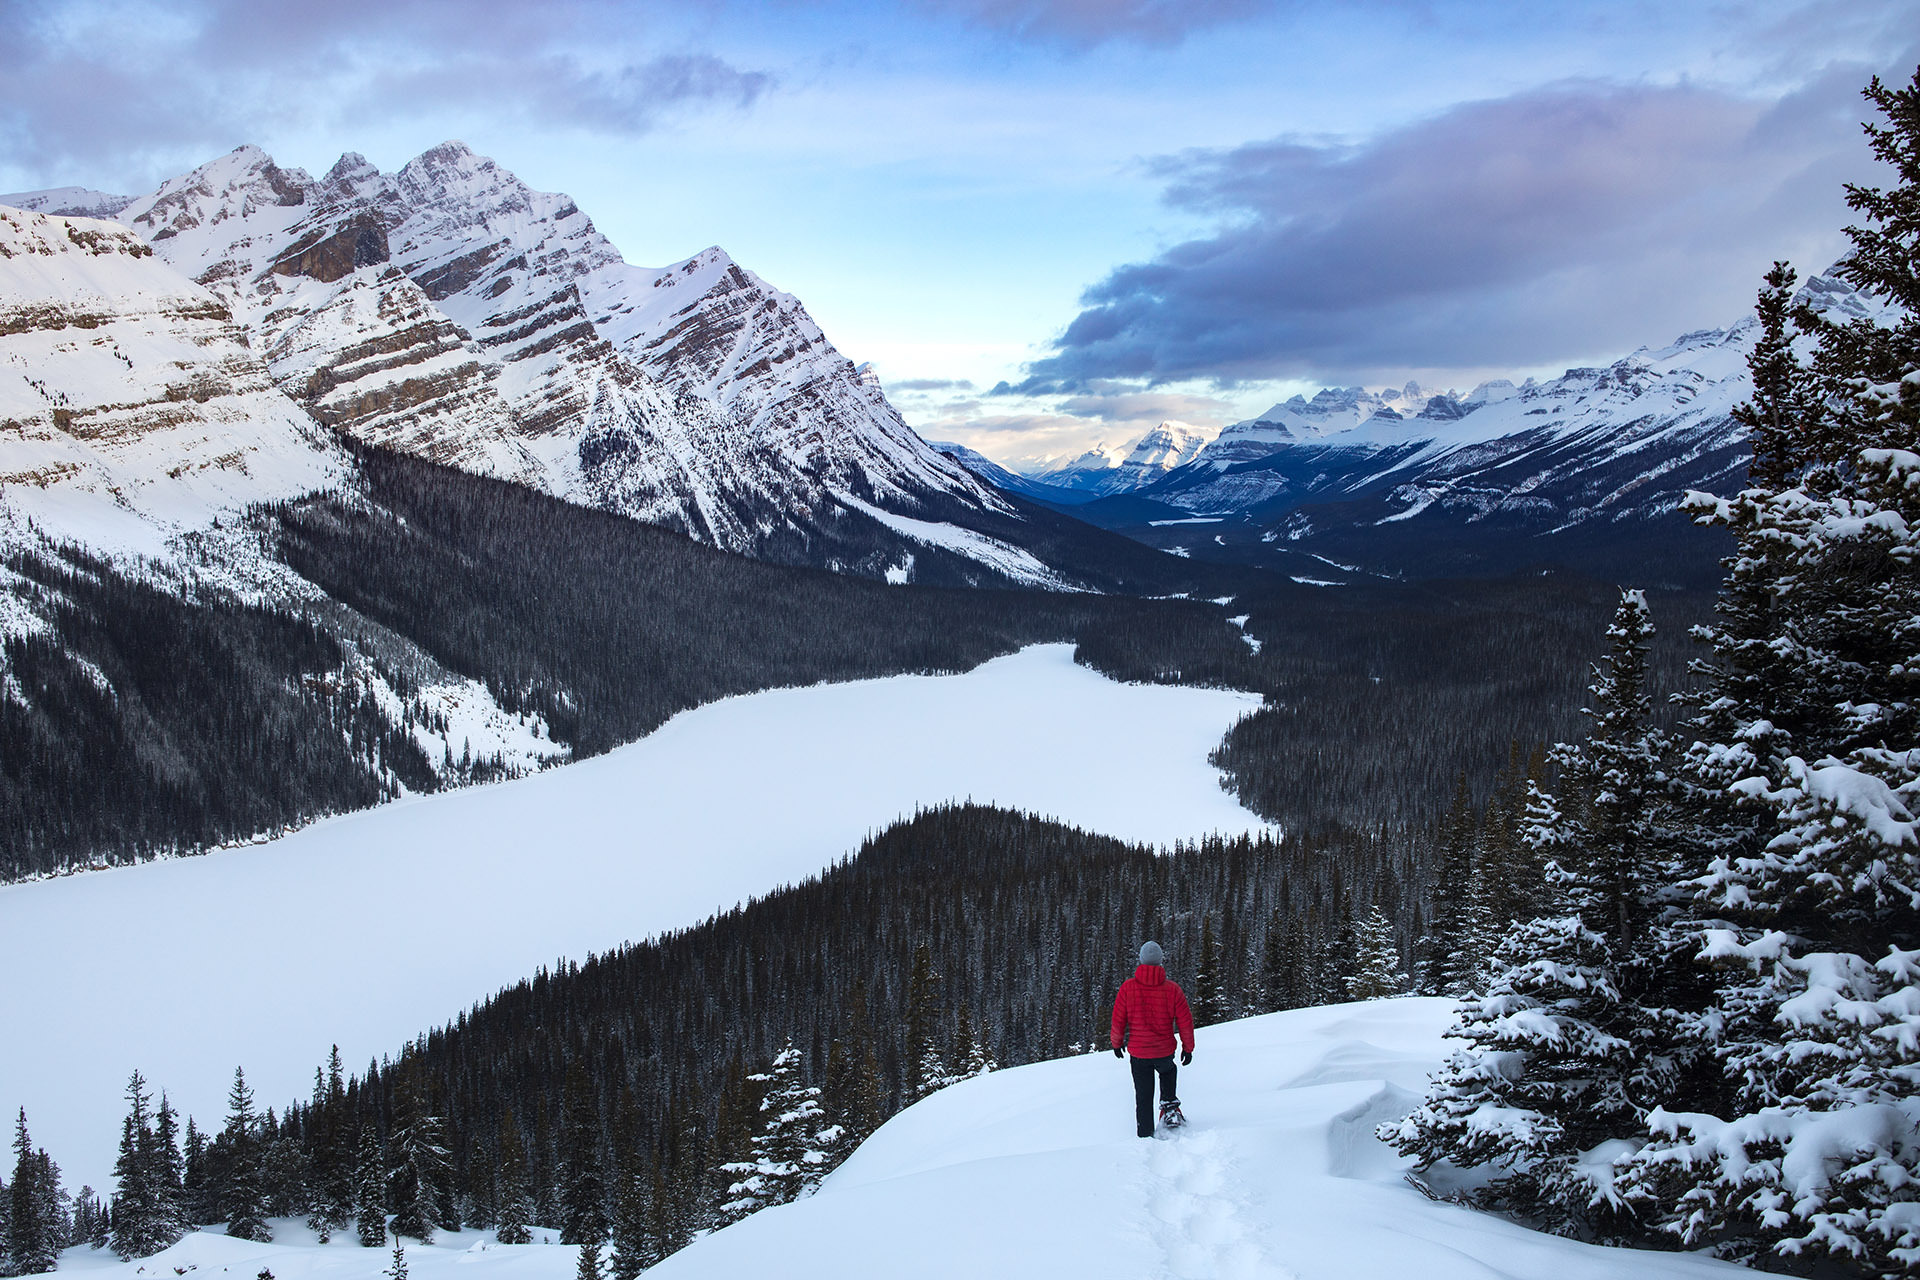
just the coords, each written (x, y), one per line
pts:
(1170, 1115)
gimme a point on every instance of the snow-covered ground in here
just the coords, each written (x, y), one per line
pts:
(1035, 1172)
(367, 929)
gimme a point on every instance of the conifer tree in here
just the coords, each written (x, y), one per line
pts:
(794, 1148)
(589, 1264)
(1206, 982)
(244, 1201)
(926, 1062)
(34, 1237)
(370, 1190)
(1445, 962)
(1803, 855)
(146, 1208)
(416, 1157)
(1561, 1055)
(516, 1202)
(196, 1203)
(331, 1154)
(634, 1248)
(583, 1189)
(1376, 959)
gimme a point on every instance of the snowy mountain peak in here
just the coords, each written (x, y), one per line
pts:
(451, 311)
(68, 202)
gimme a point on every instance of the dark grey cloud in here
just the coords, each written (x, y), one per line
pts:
(1556, 224)
(1082, 24)
(90, 87)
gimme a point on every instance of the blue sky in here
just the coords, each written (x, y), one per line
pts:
(1123, 210)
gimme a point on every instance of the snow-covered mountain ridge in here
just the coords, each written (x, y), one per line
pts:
(1109, 468)
(1508, 474)
(451, 312)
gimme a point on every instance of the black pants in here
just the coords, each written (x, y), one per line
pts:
(1144, 1069)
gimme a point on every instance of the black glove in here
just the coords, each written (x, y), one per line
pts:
(1186, 1059)
(1118, 1052)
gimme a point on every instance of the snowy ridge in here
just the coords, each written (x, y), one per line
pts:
(1594, 444)
(1277, 1174)
(450, 311)
(68, 202)
(131, 407)
(1033, 1173)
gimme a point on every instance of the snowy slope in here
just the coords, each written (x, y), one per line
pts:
(70, 202)
(1035, 1172)
(473, 889)
(453, 312)
(131, 406)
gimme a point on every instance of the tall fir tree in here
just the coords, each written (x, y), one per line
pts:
(1561, 1056)
(583, 1183)
(34, 1237)
(244, 1201)
(417, 1157)
(1803, 853)
(795, 1146)
(370, 1189)
(516, 1200)
(330, 1151)
(1376, 971)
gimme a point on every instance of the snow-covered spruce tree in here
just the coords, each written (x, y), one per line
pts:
(146, 1211)
(370, 1190)
(516, 1201)
(330, 1151)
(35, 1235)
(1562, 1061)
(1444, 968)
(1376, 959)
(588, 1267)
(416, 1157)
(244, 1202)
(1805, 849)
(583, 1185)
(794, 1148)
(632, 1236)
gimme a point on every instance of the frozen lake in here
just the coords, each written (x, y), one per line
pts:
(367, 929)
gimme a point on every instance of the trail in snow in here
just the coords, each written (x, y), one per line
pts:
(1192, 1194)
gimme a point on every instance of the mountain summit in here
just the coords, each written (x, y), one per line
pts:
(451, 312)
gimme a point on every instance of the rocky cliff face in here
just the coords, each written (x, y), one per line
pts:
(450, 311)
(131, 403)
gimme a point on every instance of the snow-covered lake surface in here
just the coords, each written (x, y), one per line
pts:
(1034, 1173)
(368, 929)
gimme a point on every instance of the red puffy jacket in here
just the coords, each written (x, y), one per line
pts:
(1147, 1012)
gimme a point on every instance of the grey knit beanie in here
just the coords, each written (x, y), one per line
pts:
(1152, 954)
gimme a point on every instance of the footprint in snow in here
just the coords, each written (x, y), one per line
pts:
(1196, 1217)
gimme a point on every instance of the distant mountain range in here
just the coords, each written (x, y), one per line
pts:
(1585, 470)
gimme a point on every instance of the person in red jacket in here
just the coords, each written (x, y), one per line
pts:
(1147, 1013)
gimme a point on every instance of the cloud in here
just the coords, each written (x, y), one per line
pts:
(1083, 24)
(931, 384)
(1559, 223)
(106, 84)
